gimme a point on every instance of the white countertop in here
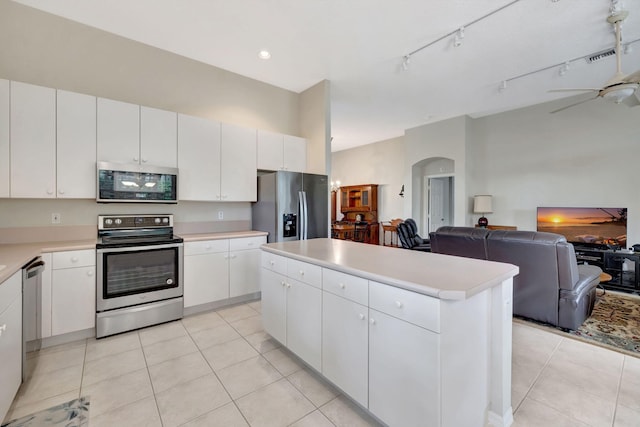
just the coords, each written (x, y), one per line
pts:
(14, 256)
(436, 275)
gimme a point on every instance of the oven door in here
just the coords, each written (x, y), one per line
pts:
(128, 276)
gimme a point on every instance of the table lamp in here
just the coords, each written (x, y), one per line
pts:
(482, 205)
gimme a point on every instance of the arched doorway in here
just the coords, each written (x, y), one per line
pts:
(433, 193)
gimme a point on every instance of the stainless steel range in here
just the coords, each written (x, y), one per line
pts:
(139, 273)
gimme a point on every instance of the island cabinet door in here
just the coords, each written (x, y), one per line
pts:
(345, 348)
(304, 322)
(404, 372)
(274, 304)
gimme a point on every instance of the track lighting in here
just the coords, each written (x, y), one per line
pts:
(564, 68)
(405, 62)
(457, 40)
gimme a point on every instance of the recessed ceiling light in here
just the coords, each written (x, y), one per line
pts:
(264, 54)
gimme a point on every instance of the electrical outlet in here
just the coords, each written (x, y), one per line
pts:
(220, 215)
(55, 218)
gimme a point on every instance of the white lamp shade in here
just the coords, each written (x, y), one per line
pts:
(482, 204)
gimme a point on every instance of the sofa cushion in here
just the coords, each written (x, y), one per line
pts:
(467, 242)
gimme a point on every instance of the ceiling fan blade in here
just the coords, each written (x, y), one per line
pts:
(632, 78)
(572, 105)
(585, 89)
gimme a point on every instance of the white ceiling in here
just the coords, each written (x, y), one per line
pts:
(359, 44)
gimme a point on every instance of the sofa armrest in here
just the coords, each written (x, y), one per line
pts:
(587, 275)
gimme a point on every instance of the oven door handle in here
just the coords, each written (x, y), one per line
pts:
(138, 248)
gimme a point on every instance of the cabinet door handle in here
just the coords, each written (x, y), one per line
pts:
(74, 259)
(302, 272)
(288, 285)
(399, 304)
(144, 160)
(341, 285)
(272, 262)
(90, 273)
(135, 159)
(283, 283)
(61, 191)
(3, 328)
(49, 191)
(361, 316)
(372, 321)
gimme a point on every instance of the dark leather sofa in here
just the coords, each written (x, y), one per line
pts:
(551, 286)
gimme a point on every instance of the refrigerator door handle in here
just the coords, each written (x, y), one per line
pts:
(306, 215)
(301, 215)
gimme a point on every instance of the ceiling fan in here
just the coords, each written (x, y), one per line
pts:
(621, 87)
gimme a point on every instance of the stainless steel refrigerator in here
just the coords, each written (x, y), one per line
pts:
(292, 206)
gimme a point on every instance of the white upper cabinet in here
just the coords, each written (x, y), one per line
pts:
(4, 138)
(118, 132)
(33, 141)
(281, 152)
(294, 153)
(76, 145)
(198, 158)
(158, 137)
(238, 168)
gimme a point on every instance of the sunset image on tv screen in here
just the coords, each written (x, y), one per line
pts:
(586, 225)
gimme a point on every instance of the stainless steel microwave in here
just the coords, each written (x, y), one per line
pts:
(136, 183)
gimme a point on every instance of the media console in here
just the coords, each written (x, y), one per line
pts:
(611, 261)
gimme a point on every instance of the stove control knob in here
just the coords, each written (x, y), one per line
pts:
(157, 220)
(118, 221)
(108, 221)
(165, 220)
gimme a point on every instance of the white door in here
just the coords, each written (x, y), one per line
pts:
(345, 348)
(206, 278)
(440, 209)
(158, 137)
(269, 150)
(76, 153)
(244, 272)
(198, 158)
(118, 132)
(33, 141)
(238, 164)
(4, 138)
(73, 300)
(304, 322)
(274, 304)
(404, 366)
(294, 154)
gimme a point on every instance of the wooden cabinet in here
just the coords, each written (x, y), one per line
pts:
(33, 141)
(238, 164)
(118, 131)
(73, 291)
(76, 145)
(276, 151)
(206, 272)
(10, 340)
(359, 198)
(4, 138)
(198, 158)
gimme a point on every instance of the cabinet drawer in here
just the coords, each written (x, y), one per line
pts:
(245, 243)
(274, 262)
(206, 247)
(345, 285)
(10, 289)
(416, 308)
(70, 259)
(304, 272)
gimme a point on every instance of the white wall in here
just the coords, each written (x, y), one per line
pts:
(381, 163)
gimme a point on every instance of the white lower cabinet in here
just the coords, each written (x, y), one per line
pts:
(10, 340)
(404, 366)
(345, 348)
(216, 270)
(73, 291)
(304, 322)
(274, 304)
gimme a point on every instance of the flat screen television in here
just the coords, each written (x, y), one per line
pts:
(595, 227)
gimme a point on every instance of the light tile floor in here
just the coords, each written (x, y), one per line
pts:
(221, 369)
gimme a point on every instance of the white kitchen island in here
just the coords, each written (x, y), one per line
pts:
(418, 339)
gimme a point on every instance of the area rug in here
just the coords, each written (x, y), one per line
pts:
(614, 323)
(74, 413)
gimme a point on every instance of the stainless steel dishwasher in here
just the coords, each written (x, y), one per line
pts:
(31, 308)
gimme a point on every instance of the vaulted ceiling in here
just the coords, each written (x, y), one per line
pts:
(359, 45)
